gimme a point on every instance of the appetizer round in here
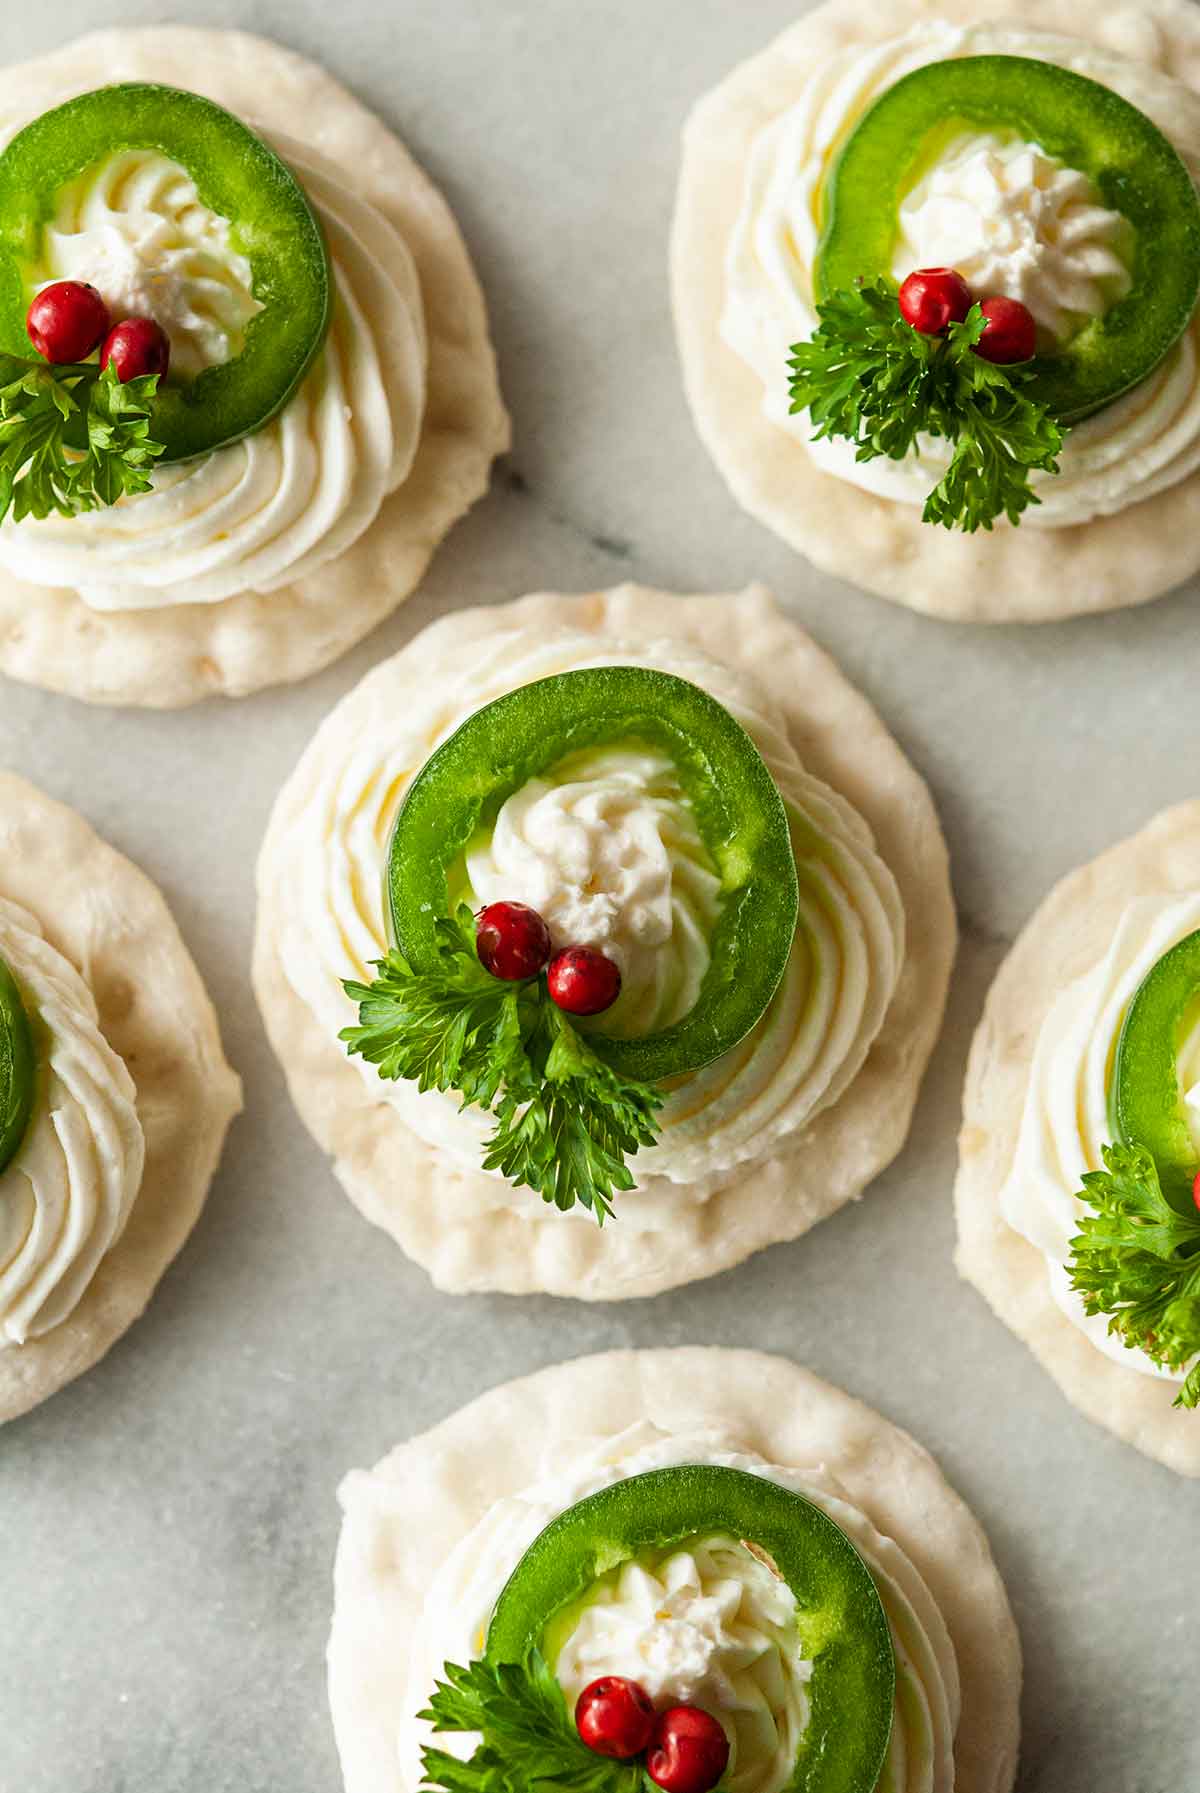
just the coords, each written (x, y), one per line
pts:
(1048, 159)
(115, 1096)
(1078, 1217)
(710, 825)
(717, 1532)
(309, 398)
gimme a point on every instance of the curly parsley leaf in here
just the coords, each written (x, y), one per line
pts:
(567, 1129)
(1136, 1258)
(870, 378)
(565, 1121)
(527, 1742)
(72, 438)
(457, 1028)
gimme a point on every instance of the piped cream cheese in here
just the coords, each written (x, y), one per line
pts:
(67, 1194)
(608, 852)
(709, 1626)
(136, 228)
(1013, 220)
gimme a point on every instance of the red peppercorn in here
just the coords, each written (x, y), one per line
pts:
(689, 1751)
(1010, 334)
(512, 940)
(67, 321)
(931, 299)
(136, 346)
(614, 1717)
(583, 981)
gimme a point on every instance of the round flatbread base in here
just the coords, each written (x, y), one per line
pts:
(111, 922)
(1067, 936)
(438, 1486)
(179, 654)
(1028, 574)
(432, 1206)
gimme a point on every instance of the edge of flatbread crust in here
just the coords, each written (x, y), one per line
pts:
(113, 924)
(165, 658)
(1067, 935)
(1026, 574)
(424, 1200)
(440, 1484)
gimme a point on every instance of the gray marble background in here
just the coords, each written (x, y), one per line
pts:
(167, 1524)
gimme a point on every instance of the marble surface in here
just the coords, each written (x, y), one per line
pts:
(167, 1524)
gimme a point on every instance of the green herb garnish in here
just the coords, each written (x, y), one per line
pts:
(72, 438)
(869, 377)
(1137, 1259)
(527, 1739)
(565, 1121)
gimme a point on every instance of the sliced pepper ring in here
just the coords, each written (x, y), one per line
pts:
(1082, 124)
(734, 799)
(843, 1628)
(1146, 1101)
(238, 177)
(18, 1068)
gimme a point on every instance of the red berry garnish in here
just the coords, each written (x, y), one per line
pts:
(67, 321)
(689, 1751)
(512, 940)
(583, 981)
(614, 1717)
(1010, 334)
(1196, 1189)
(136, 346)
(932, 299)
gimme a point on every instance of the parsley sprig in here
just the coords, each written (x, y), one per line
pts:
(527, 1741)
(1137, 1258)
(868, 376)
(565, 1121)
(72, 438)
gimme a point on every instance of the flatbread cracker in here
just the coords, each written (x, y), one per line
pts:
(438, 1486)
(1028, 574)
(111, 922)
(432, 1206)
(177, 655)
(1068, 935)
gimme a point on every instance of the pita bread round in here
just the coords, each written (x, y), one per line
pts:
(433, 1207)
(111, 922)
(1067, 936)
(431, 1491)
(177, 655)
(1028, 574)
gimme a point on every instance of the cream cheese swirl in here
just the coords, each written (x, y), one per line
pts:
(1013, 233)
(136, 229)
(452, 1624)
(709, 1626)
(278, 505)
(839, 981)
(1065, 1120)
(608, 851)
(66, 1196)
(1013, 220)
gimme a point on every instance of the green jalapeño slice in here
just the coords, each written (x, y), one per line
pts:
(737, 807)
(1146, 1099)
(17, 1068)
(1084, 126)
(240, 180)
(842, 1628)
